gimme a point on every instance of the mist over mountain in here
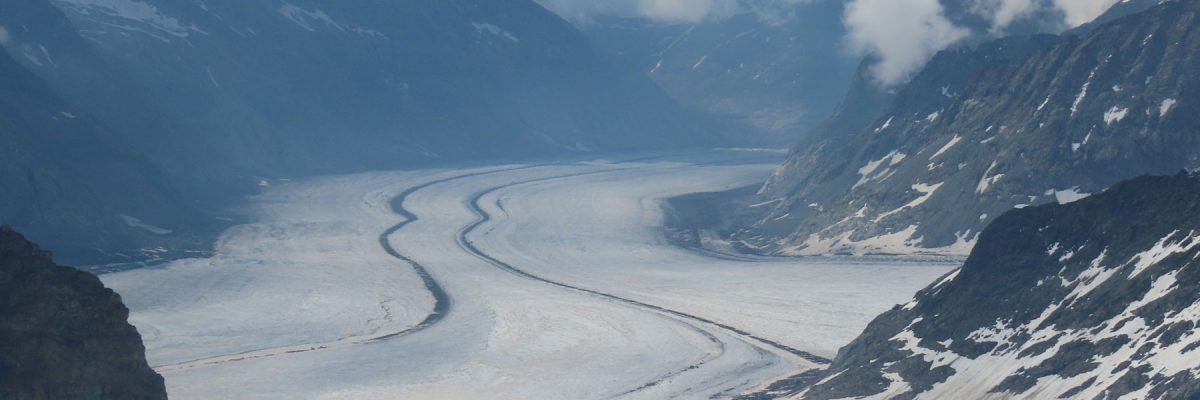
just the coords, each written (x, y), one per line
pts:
(767, 75)
(1015, 122)
(771, 71)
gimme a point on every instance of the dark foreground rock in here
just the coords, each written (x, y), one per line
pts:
(63, 335)
(1097, 299)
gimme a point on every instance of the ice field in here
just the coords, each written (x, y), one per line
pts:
(544, 280)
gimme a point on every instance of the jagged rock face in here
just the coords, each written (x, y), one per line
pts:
(1094, 299)
(1015, 122)
(63, 335)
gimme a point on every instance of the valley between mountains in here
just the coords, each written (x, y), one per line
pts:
(553, 272)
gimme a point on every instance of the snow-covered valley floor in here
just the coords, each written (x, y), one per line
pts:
(546, 281)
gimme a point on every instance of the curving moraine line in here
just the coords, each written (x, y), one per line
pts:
(483, 217)
(442, 301)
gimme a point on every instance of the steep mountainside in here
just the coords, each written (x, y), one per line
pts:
(75, 185)
(774, 70)
(769, 73)
(1094, 299)
(63, 335)
(220, 97)
(231, 91)
(1015, 122)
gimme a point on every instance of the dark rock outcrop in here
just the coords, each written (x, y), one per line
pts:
(1098, 298)
(63, 335)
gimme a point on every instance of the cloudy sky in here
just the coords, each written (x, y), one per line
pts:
(903, 34)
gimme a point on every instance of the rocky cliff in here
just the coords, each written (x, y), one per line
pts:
(63, 335)
(1094, 299)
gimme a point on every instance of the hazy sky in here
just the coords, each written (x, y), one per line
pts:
(903, 34)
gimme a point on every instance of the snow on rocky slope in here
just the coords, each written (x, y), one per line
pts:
(1015, 122)
(1093, 299)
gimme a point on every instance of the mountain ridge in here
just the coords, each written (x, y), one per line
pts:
(973, 136)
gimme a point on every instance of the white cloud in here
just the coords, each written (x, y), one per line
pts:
(1001, 13)
(902, 34)
(669, 11)
(1079, 12)
(659, 10)
(684, 10)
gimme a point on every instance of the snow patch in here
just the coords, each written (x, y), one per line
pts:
(872, 172)
(1165, 107)
(900, 242)
(1000, 332)
(482, 27)
(132, 10)
(933, 117)
(953, 141)
(886, 124)
(1161, 250)
(1070, 195)
(1044, 103)
(988, 179)
(926, 192)
(137, 223)
(1082, 93)
(1115, 114)
(308, 19)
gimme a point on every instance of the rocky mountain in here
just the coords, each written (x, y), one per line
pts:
(220, 97)
(1096, 299)
(1010, 123)
(234, 91)
(75, 184)
(772, 71)
(63, 335)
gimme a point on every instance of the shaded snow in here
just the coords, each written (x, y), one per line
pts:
(137, 223)
(1115, 114)
(1166, 107)
(1082, 93)
(1069, 195)
(308, 19)
(494, 30)
(988, 179)
(953, 141)
(872, 171)
(132, 10)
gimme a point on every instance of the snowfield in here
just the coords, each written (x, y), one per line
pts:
(556, 282)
